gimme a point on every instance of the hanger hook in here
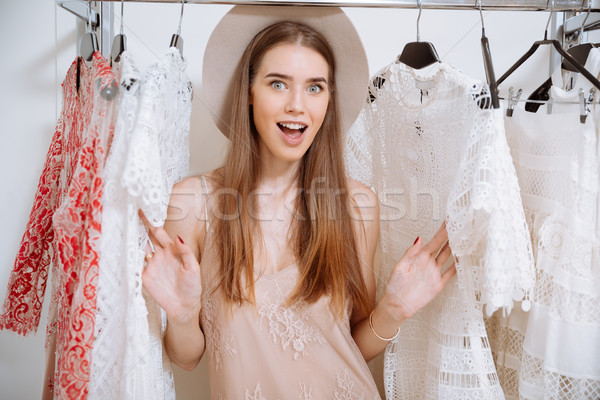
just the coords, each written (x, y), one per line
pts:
(89, 15)
(549, 18)
(419, 20)
(122, 5)
(180, 18)
(481, 16)
(589, 9)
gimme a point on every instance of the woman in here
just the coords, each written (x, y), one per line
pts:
(267, 262)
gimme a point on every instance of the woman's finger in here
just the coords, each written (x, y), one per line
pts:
(149, 248)
(185, 252)
(158, 236)
(443, 254)
(412, 251)
(449, 274)
(437, 240)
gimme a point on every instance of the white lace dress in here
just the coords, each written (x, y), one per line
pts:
(428, 150)
(553, 352)
(150, 153)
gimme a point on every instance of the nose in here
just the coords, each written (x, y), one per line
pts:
(295, 102)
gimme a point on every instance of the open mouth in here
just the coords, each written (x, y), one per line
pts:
(291, 129)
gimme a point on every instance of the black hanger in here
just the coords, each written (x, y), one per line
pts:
(87, 48)
(418, 54)
(176, 39)
(89, 42)
(556, 44)
(376, 84)
(78, 77)
(542, 93)
(119, 42)
(579, 52)
(487, 63)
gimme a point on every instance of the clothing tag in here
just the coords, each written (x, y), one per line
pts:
(425, 85)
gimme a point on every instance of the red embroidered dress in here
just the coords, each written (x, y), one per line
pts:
(27, 284)
(77, 224)
(73, 229)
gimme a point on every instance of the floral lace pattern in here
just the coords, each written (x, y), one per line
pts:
(310, 342)
(305, 392)
(156, 160)
(424, 143)
(346, 388)
(27, 284)
(290, 326)
(255, 395)
(557, 163)
(220, 343)
(69, 191)
(485, 216)
(77, 224)
(108, 369)
(154, 120)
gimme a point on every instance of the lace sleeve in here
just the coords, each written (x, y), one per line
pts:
(77, 224)
(359, 149)
(28, 279)
(142, 174)
(157, 158)
(485, 220)
(119, 284)
(159, 154)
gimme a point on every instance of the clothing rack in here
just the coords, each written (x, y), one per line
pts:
(571, 21)
(515, 5)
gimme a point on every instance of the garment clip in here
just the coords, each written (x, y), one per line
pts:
(512, 100)
(584, 103)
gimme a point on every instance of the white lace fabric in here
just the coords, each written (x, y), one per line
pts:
(149, 154)
(554, 351)
(428, 150)
(561, 78)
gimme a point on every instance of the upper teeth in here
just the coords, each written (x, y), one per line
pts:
(292, 126)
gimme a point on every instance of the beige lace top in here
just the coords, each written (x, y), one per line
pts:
(267, 351)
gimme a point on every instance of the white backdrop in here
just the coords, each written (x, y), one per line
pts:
(38, 44)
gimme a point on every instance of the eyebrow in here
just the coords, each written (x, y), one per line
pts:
(289, 78)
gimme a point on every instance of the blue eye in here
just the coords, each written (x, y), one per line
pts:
(277, 85)
(314, 88)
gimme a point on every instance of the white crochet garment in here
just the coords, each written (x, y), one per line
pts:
(430, 152)
(149, 154)
(553, 352)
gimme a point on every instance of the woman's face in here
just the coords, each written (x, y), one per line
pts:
(289, 98)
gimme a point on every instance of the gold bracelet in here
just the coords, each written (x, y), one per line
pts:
(375, 333)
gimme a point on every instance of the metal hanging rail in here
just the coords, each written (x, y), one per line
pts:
(516, 5)
(80, 9)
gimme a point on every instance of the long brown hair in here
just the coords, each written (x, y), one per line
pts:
(322, 236)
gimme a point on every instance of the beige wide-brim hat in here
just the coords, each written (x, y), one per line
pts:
(234, 32)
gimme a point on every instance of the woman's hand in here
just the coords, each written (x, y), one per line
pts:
(417, 278)
(172, 275)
